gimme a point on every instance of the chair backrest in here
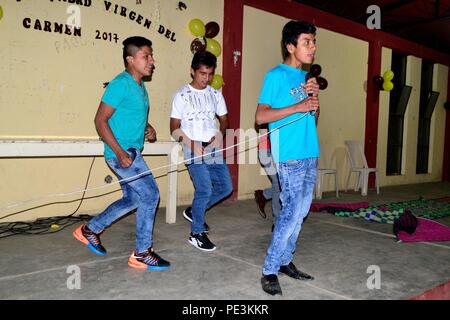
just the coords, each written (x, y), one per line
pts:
(324, 160)
(356, 154)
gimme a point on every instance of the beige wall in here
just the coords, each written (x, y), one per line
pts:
(261, 51)
(344, 65)
(51, 86)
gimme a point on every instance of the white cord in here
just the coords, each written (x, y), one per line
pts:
(142, 173)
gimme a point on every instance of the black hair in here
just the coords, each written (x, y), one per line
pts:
(291, 31)
(204, 58)
(132, 44)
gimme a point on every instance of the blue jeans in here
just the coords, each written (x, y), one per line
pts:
(212, 182)
(141, 193)
(265, 158)
(297, 179)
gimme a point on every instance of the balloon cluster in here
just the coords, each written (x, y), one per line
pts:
(204, 41)
(384, 82)
(314, 72)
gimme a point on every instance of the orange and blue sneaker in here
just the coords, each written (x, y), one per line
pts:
(149, 260)
(89, 238)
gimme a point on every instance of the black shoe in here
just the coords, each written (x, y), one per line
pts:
(201, 242)
(187, 214)
(261, 203)
(292, 271)
(270, 284)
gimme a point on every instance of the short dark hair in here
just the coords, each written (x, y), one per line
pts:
(291, 31)
(132, 44)
(204, 58)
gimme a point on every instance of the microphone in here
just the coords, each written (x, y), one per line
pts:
(314, 72)
(308, 76)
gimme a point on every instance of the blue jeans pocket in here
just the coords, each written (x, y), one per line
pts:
(133, 153)
(293, 166)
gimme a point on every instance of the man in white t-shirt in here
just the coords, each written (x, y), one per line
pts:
(195, 108)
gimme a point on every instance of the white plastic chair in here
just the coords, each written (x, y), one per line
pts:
(358, 163)
(321, 172)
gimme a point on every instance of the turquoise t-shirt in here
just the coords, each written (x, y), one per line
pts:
(297, 140)
(129, 120)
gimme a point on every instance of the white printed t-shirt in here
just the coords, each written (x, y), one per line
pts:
(197, 110)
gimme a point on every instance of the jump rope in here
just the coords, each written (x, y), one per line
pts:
(54, 195)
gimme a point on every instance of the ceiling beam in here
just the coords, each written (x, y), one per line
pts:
(386, 9)
(395, 5)
(298, 11)
(415, 23)
(437, 4)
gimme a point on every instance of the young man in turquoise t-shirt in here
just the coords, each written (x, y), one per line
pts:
(285, 103)
(121, 122)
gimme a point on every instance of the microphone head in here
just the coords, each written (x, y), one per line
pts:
(322, 82)
(315, 70)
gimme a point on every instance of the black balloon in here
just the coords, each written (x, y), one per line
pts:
(315, 70)
(322, 82)
(198, 44)
(211, 29)
(378, 80)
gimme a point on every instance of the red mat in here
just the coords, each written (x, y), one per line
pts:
(427, 230)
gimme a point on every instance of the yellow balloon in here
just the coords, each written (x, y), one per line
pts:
(197, 27)
(388, 75)
(388, 85)
(213, 46)
(1, 12)
(217, 81)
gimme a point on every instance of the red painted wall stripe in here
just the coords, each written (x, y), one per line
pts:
(372, 107)
(232, 41)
